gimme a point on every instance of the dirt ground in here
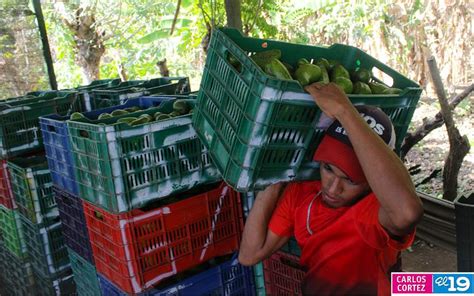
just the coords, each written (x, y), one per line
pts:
(426, 257)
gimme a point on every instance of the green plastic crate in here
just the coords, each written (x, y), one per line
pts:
(19, 119)
(46, 248)
(259, 279)
(120, 167)
(32, 188)
(261, 130)
(12, 235)
(119, 94)
(85, 275)
(86, 90)
(17, 274)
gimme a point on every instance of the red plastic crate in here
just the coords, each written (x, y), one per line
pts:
(283, 274)
(138, 249)
(6, 195)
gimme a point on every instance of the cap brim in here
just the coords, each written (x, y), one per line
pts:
(334, 152)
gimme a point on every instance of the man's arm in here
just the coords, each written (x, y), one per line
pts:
(401, 208)
(259, 242)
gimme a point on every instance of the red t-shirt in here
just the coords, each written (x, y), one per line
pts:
(349, 252)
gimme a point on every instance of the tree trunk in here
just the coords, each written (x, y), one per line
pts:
(233, 12)
(459, 146)
(89, 44)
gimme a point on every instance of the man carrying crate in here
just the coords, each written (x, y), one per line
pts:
(352, 224)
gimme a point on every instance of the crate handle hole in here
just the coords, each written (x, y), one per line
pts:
(51, 128)
(382, 76)
(84, 134)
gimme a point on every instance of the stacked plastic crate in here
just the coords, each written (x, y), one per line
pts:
(29, 221)
(281, 273)
(139, 189)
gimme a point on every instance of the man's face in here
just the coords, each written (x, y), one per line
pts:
(337, 188)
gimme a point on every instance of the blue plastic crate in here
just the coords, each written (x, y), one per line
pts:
(73, 223)
(228, 278)
(58, 147)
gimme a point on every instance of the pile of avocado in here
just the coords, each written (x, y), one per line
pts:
(180, 107)
(322, 70)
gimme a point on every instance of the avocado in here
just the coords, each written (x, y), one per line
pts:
(118, 112)
(323, 62)
(77, 115)
(262, 58)
(276, 69)
(339, 71)
(361, 88)
(181, 106)
(377, 88)
(344, 83)
(140, 120)
(324, 72)
(362, 75)
(174, 114)
(147, 116)
(302, 61)
(307, 74)
(392, 91)
(132, 109)
(104, 116)
(126, 119)
(161, 116)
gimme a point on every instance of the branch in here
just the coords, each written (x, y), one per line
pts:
(411, 139)
(257, 11)
(459, 146)
(176, 13)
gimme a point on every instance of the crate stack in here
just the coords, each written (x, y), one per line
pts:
(32, 247)
(281, 273)
(144, 209)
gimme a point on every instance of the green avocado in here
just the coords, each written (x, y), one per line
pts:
(324, 72)
(362, 75)
(276, 69)
(132, 109)
(323, 62)
(302, 61)
(344, 83)
(140, 120)
(161, 116)
(77, 115)
(262, 58)
(307, 74)
(126, 119)
(392, 91)
(361, 88)
(174, 114)
(339, 71)
(181, 106)
(118, 112)
(377, 88)
(104, 116)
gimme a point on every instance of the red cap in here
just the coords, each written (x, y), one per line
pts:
(335, 152)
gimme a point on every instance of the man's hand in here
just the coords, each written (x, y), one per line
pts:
(330, 99)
